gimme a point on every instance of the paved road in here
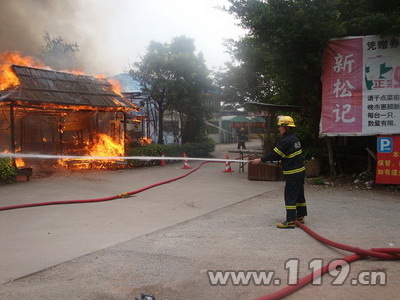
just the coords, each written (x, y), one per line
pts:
(37, 238)
(164, 240)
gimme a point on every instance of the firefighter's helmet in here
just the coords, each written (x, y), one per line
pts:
(286, 121)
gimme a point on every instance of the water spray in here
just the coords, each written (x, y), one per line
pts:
(49, 156)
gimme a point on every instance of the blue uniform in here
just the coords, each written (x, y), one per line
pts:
(289, 152)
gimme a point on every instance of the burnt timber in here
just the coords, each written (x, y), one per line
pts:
(40, 87)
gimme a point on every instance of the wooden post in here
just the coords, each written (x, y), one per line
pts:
(12, 133)
(21, 137)
(269, 140)
(60, 127)
(332, 167)
(125, 136)
(12, 128)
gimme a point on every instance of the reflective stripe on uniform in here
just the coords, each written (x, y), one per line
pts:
(280, 153)
(301, 204)
(294, 171)
(290, 206)
(295, 154)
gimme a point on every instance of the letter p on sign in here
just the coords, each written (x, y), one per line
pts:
(385, 144)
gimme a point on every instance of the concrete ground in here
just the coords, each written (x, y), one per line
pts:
(164, 240)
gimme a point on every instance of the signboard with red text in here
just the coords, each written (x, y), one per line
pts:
(388, 160)
(361, 86)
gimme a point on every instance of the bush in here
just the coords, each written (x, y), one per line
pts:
(201, 149)
(313, 152)
(7, 171)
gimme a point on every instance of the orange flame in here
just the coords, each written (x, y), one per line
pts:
(19, 162)
(7, 76)
(9, 80)
(145, 141)
(105, 146)
(116, 86)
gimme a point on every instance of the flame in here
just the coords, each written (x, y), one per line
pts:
(105, 146)
(116, 86)
(19, 162)
(8, 79)
(145, 141)
(7, 76)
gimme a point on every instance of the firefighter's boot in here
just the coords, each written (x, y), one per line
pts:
(301, 220)
(286, 225)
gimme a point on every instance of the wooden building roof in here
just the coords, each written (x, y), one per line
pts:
(47, 87)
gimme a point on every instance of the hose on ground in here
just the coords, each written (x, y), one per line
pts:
(95, 200)
(382, 253)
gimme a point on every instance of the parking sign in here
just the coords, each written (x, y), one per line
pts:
(388, 160)
(385, 144)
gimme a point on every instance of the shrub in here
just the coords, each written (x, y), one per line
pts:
(313, 152)
(318, 181)
(7, 171)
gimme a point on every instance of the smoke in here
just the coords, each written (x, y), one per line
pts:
(111, 34)
(23, 24)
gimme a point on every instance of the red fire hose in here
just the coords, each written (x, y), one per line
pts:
(124, 195)
(383, 253)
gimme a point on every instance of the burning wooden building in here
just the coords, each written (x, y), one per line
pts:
(52, 112)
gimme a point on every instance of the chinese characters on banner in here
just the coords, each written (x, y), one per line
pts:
(361, 86)
(341, 86)
(388, 160)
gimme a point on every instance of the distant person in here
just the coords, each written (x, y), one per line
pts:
(289, 152)
(242, 139)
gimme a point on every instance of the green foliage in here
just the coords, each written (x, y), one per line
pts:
(200, 149)
(7, 171)
(237, 85)
(318, 181)
(285, 43)
(313, 152)
(58, 54)
(367, 17)
(176, 79)
(279, 61)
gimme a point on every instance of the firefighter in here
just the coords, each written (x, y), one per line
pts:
(289, 152)
(242, 139)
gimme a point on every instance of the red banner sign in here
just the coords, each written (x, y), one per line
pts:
(361, 86)
(388, 160)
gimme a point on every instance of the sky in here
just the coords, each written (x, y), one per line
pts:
(112, 34)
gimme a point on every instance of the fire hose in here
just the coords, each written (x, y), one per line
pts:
(382, 253)
(123, 195)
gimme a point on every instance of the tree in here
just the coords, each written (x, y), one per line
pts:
(58, 54)
(238, 84)
(367, 17)
(285, 44)
(176, 79)
(286, 40)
